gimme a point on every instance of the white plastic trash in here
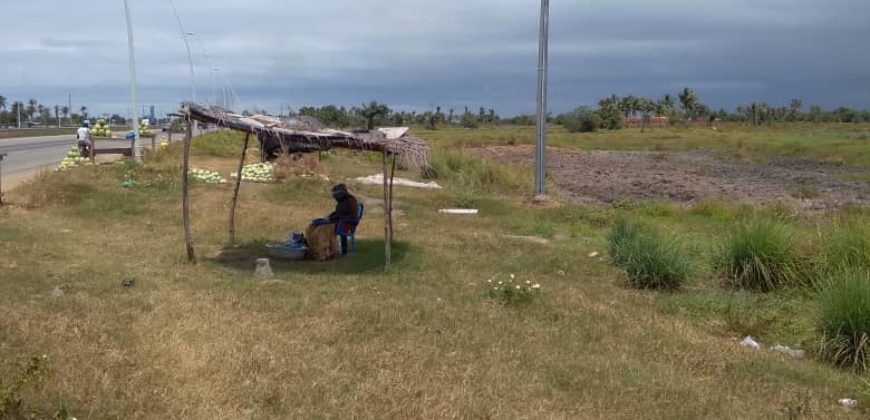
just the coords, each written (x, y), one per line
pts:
(848, 402)
(796, 353)
(458, 211)
(750, 342)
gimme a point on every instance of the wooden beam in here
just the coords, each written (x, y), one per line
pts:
(185, 196)
(236, 190)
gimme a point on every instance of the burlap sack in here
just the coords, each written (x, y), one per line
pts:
(322, 242)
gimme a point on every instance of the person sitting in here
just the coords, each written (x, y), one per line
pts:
(320, 235)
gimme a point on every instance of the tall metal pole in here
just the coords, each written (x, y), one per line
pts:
(137, 153)
(543, 59)
(184, 35)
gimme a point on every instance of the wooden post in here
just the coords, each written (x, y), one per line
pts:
(2, 155)
(185, 197)
(236, 191)
(387, 234)
(153, 141)
(390, 211)
(93, 152)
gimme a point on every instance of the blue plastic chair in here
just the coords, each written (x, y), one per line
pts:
(346, 228)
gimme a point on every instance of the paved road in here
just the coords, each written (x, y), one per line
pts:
(28, 154)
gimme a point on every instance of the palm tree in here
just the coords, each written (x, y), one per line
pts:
(372, 111)
(84, 111)
(31, 108)
(689, 101)
(65, 110)
(42, 111)
(2, 102)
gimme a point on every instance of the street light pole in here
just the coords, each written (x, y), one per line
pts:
(184, 35)
(543, 59)
(137, 154)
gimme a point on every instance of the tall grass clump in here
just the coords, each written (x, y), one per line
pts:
(223, 143)
(847, 246)
(845, 319)
(474, 173)
(759, 255)
(650, 260)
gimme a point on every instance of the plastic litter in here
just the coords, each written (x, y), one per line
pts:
(796, 353)
(378, 179)
(458, 211)
(750, 342)
(848, 402)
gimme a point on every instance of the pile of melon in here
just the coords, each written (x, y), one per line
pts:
(101, 129)
(72, 160)
(143, 128)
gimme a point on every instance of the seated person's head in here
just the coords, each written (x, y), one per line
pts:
(339, 191)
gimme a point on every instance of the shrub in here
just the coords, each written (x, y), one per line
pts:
(758, 255)
(845, 319)
(651, 260)
(582, 120)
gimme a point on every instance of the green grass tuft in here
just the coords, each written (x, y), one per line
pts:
(759, 255)
(845, 319)
(847, 246)
(651, 260)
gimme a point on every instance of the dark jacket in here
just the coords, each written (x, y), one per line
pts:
(345, 208)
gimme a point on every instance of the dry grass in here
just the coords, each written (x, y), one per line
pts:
(345, 339)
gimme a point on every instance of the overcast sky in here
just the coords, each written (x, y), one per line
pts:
(414, 54)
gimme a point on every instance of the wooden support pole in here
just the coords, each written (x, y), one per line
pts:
(390, 210)
(2, 155)
(185, 196)
(236, 190)
(93, 151)
(387, 234)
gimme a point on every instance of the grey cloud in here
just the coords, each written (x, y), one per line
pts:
(449, 52)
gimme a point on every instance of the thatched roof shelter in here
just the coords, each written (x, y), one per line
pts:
(306, 134)
(302, 134)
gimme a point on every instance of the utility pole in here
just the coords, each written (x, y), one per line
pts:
(543, 59)
(69, 106)
(137, 153)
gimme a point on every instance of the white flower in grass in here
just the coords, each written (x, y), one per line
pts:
(528, 282)
(489, 281)
(519, 287)
(536, 286)
(512, 276)
(500, 282)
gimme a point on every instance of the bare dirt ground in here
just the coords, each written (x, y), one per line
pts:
(610, 176)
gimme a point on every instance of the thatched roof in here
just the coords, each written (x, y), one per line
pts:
(307, 133)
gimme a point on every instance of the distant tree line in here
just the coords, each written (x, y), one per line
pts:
(32, 113)
(613, 112)
(374, 114)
